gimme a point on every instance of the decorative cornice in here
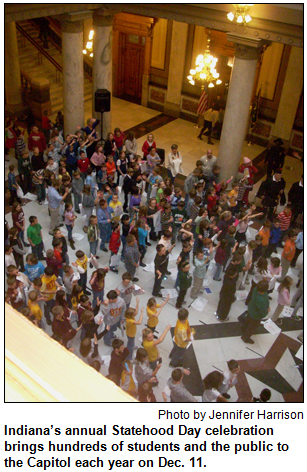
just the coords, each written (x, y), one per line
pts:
(277, 31)
(246, 48)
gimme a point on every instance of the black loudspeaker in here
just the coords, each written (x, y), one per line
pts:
(102, 100)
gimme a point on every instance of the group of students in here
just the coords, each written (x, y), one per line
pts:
(209, 222)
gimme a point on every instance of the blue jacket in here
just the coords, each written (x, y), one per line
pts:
(103, 215)
(275, 235)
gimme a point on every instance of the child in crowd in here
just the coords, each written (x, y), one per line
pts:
(265, 233)
(153, 311)
(33, 267)
(90, 181)
(110, 165)
(199, 274)
(114, 246)
(161, 263)
(69, 219)
(131, 324)
(93, 235)
(230, 378)
(184, 283)
(275, 237)
(35, 308)
(283, 298)
(14, 294)
(118, 357)
(182, 337)
(77, 187)
(288, 254)
(220, 259)
(49, 288)
(88, 204)
(150, 345)
(228, 290)
(12, 186)
(35, 238)
(285, 219)
(81, 265)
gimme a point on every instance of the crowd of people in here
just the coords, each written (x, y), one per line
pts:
(128, 202)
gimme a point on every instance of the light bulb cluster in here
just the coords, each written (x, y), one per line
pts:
(205, 69)
(89, 44)
(240, 14)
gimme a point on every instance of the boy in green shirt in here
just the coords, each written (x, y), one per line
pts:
(34, 234)
(185, 282)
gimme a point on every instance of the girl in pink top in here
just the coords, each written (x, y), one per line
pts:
(283, 297)
(98, 158)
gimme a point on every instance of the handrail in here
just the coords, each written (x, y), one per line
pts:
(40, 49)
(56, 39)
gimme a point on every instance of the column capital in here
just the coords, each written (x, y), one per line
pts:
(246, 48)
(73, 22)
(103, 17)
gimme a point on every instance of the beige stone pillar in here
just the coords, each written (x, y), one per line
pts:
(290, 95)
(73, 76)
(146, 73)
(12, 71)
(247, 51)
(176, 68)
(102, 61)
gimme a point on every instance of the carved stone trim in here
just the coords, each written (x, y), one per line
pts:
(72, 26)
(245, 47)
(103, 18)
(282, 32)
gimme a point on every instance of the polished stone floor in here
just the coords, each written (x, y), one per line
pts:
(271, 361)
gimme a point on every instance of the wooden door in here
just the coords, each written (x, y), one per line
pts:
(130, 67)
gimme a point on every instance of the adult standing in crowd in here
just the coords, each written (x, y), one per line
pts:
(55, 200)
(208, 161)
(275, 157)
(296, 199)
(272, 191)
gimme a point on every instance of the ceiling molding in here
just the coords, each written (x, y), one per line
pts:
(212, 18)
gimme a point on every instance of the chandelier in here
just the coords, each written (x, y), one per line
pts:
(89, 44)
(205, 69)
(240, 14)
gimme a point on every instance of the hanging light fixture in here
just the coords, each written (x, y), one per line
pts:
(240, 14)
(89, 44)
(205, 71)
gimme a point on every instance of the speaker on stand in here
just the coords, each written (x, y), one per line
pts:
(102, 104)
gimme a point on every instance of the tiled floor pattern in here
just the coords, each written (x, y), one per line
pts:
(214, 343)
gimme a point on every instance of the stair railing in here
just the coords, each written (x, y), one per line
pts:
(41, 50)
(55, 36)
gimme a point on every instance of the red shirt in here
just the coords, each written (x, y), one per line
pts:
(46, 123)
(83, 164)
(114, 242)
(57, 254)
(119, 140)
(147, 145)
(37, 139)
(284, 220)
(211, 202)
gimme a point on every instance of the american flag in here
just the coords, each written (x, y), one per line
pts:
(203, 103)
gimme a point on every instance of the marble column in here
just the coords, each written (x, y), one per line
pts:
(290, 95)
(176, 68)
(146, 72)
(12, 70)
(102, 62)
(247, 51)
(73, 75)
